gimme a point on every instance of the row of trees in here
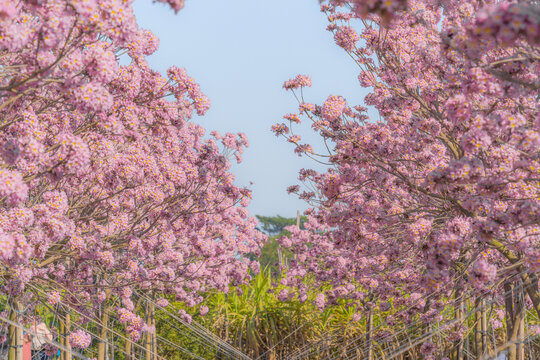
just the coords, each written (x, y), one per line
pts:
(439, 198)
(106, 186)
(107, 189)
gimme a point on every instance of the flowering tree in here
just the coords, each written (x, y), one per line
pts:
(439, 196)
(105, 184)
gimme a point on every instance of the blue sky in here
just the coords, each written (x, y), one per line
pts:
(241, 52)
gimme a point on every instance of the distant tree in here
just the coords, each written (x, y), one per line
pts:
(274, 225)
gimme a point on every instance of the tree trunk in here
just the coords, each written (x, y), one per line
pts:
(484, 328)
(519, 323)
(530, 281)
(154, 335)
(62, 339)
(66, 343)
(129, 349)
(369, 329)
(460, 317)
(467, 345)
(102, 346)
(511, 333)
(478, 350)
(148, 339)
(16, 338)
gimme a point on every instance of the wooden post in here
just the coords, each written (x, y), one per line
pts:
(519, 322)
(484, 327)
(154, 335)
(369, 338)
(129, 348)
(511, 334)
(65, 328)
(460, 317)
(102, 346)
(149, 343)
(467, 351)
(478, 328)
(68, 344)
(16, 339)
(457, 351)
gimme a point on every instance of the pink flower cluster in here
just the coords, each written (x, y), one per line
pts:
(482, 273)
(80, 339)
(203, 310)
(298, 82)
(385, 8)
(162, 302)
(507, 22)
(135, 325)
(346, 37)
(54, 298)
(333, 107)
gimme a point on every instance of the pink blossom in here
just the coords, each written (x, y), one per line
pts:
(12, 187)
(162, 302)
(80, 339)
(7, 246)
(283, 295)
(346, 37)
(203, 310)
(54, 298)
(298, 82)
(333, 107)
(320, 301)
(8, 9)
(482, 273)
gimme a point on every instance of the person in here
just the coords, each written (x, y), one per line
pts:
(27, 347)
(40, 337)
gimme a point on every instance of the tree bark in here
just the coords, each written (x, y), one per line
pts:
(62, 339)
(150, 344)
(369, 338)
(460, 317)
(148, 338)
(16, 338)
(102, 346)
(129, 349)
(66, 343)
(530, 281)
(519, 323)
(484, 328)
(478, 349)
(511, 333)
